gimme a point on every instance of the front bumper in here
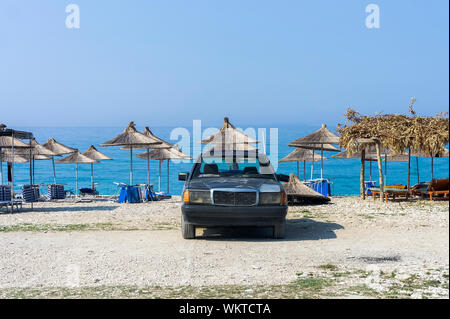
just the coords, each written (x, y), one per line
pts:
(212, 216)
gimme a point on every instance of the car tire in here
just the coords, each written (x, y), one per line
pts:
(187, 230)
(279, 230)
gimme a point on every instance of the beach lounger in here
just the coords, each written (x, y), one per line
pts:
(436, 189)
(56, 191)
(30, 193)
(88, 191)
(13, 203)
(390, 193)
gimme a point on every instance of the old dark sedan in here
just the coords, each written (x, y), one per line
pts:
(237, 188)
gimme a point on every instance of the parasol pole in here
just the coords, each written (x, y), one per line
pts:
(54, 170)
(432, 155)
(131, 165)
(76, 177)
(304, 170)
(92, 176)
(321, 162)
(168, 176)
(409, 167)
(33, 171)
(417, 167)
(298, 171)
(385, 168)
(312, 164)
(159, 177)
(380, 170)
(362, 174)
(12, 174)
(148, 166)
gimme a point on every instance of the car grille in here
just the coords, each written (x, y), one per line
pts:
(235, 198)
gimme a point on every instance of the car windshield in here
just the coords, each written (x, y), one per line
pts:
(233, 166)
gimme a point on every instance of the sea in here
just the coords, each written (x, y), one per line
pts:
(342, 173)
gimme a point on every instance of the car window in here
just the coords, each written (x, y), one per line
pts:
(221, 167)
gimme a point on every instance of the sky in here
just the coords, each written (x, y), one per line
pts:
(259, 62)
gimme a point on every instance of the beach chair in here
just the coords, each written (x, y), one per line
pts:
(89, 191)
(13, 203)
(390, 193)
(436, 189)
(30, 193)
(150, 193)
(368, 185)
(56, 191)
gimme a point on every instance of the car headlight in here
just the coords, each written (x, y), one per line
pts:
(272, 198)
(197, 197)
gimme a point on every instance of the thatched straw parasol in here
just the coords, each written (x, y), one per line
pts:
(301, 155)
(149, 133)
(36, 152)
(76, 158)
(9, 142)
(12, 142)
(319, 140)
(321, 136)
(299, 192)
(58, 149)
(132, 138)
(161, 155)
(9, 158)
(228, 135)
(94, 154)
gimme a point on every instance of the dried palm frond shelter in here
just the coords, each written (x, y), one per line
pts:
(400, 133)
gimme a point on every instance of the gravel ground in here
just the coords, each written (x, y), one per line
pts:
(359, 248)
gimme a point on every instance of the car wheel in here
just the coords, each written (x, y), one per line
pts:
(279, 230)
(187, 230)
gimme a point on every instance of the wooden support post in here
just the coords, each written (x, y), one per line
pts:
(380, 170)
(363, 162)
(409, 168)
(304, 170)
(417, 167)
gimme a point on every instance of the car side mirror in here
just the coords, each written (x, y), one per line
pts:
(183, 176)
(283, 177)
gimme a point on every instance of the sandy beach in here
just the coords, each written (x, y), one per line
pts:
(349, 248)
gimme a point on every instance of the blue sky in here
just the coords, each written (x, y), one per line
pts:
(259, 62)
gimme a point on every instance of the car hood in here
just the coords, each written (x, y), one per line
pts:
(241, 182)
